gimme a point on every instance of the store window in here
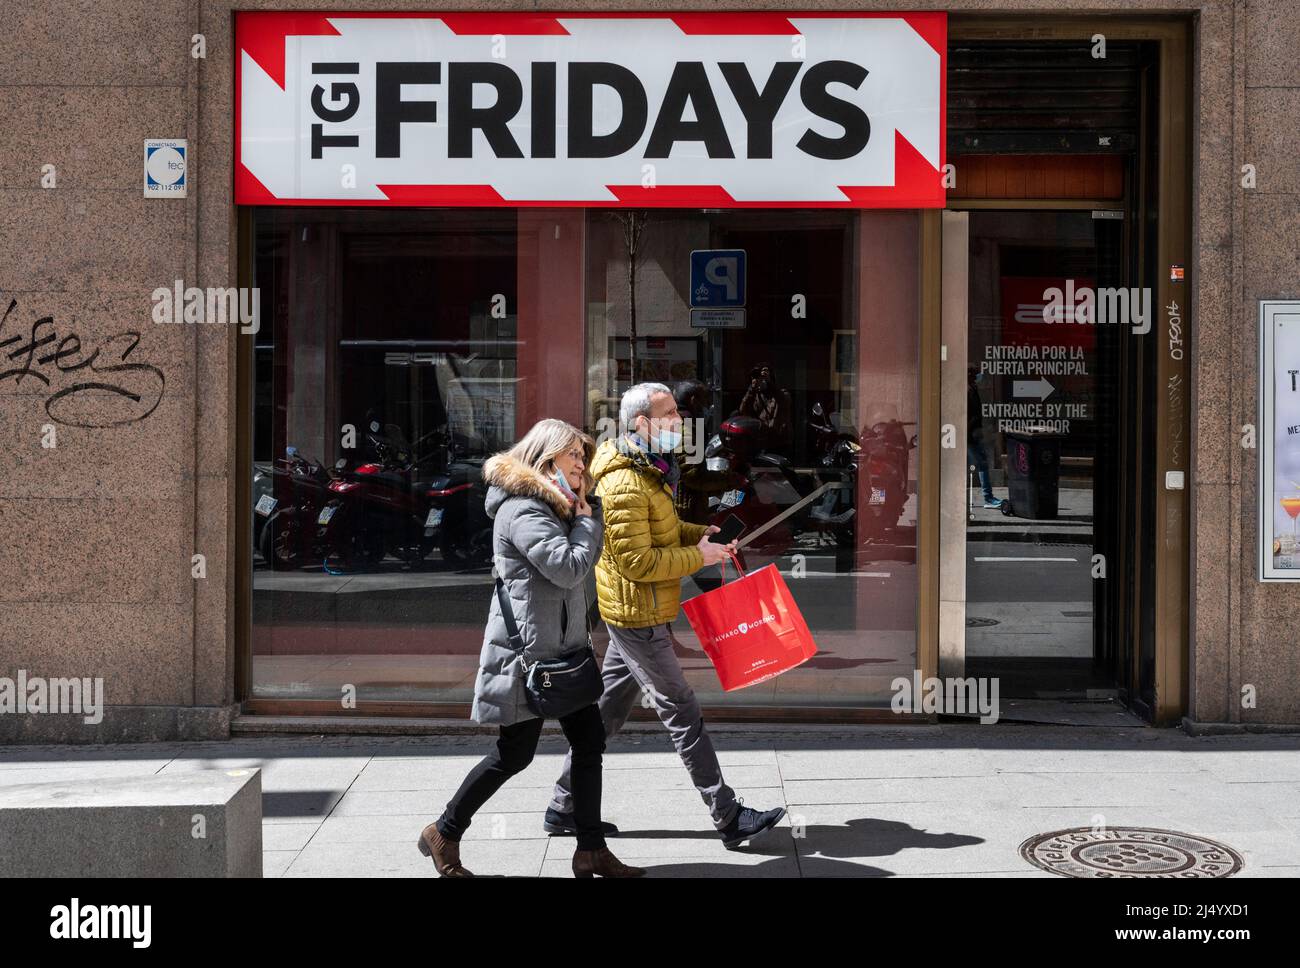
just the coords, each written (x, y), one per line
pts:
(406, 346)
(387, 376)
(802, 416)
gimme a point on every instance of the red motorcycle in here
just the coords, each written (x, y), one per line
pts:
(378, 508)
(289, 495)
(886, 448)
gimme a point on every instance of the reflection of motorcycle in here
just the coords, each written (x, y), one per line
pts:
(769, 495)
(840, 454)
(287, 498)
(881, 453)
(263, 475)
(781, 504)
(885, 448)
(377, 508)
(457, 519)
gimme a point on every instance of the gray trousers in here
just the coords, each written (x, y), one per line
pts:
(640, 662)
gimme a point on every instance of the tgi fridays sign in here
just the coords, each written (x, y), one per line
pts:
(591, 109)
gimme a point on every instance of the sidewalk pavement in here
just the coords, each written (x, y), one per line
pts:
(927, 800)
(1073, 522)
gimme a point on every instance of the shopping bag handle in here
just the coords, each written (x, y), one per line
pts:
(723, 566)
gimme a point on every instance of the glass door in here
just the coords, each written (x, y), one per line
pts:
(1043, 337)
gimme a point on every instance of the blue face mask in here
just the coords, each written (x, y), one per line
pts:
(666, 441)
(563, 484)
(669, 441)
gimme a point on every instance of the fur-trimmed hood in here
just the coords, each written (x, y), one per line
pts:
(509, 478)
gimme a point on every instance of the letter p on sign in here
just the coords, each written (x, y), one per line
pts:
(722, 271)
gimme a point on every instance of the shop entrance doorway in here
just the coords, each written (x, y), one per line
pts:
(1056, 363)
(1064, 371)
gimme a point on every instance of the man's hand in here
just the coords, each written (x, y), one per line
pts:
(712, 552)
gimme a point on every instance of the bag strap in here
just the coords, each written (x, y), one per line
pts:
(508, 616)
(723, 566)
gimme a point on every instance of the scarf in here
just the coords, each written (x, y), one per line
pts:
(632, 447)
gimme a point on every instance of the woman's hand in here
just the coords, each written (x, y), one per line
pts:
(582, 506)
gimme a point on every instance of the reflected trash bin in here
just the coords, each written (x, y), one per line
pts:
(1034, 472)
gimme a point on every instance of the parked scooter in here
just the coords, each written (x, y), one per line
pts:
(886, 450)
(840, 454)
(263, 478)
(287, 498)
(377, 508)
(769, 488)
(880, 453)
(457, 518)
(769, 493)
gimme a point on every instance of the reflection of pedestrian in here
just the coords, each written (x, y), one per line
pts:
(975, 453)
(598, 401)
(769, 403)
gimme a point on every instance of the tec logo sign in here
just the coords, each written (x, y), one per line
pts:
(164, 168)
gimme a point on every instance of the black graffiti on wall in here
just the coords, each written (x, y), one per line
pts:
(107, 386)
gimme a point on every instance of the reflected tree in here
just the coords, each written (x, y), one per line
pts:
(633, 222)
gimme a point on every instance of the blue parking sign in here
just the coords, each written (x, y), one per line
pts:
(717, 278)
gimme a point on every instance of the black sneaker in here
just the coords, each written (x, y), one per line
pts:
(748, 823)
(561, 824)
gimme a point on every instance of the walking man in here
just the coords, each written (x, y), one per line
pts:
(647, 552)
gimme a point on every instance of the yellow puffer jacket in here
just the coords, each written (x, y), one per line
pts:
(648, 550)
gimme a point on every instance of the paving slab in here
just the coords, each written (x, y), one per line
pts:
(943, 800)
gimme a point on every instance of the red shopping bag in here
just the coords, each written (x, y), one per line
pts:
(751, 628)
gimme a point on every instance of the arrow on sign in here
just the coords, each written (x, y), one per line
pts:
(1032, 388)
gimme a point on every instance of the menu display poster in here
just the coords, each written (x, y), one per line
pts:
(1279, 440)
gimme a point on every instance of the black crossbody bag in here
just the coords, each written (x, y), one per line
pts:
(559, 686)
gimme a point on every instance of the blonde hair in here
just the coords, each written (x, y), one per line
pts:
(547, 440)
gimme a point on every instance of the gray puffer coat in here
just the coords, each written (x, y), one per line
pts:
(544, 554)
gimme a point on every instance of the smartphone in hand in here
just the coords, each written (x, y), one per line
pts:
(731, 529)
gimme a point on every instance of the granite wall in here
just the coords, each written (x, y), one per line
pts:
(99, 531)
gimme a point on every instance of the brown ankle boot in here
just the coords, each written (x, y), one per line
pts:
(588, 863)
(445, 853)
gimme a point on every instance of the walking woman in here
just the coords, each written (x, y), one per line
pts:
(547, 533)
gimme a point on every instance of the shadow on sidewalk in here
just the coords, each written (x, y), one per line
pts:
(819, 849)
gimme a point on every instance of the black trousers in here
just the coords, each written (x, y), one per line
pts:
(514, 751)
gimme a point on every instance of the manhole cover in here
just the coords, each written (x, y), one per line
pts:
(1129, 852)
(975, 622)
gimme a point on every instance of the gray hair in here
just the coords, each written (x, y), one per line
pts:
(636, 403)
